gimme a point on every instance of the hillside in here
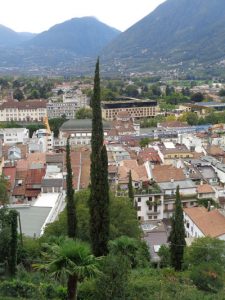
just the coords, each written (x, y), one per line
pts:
(10, 38)
(84, 36)
(178, 31)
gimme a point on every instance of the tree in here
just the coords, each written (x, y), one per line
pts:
(192, 118)
(197, 97)
(84, 113)
(177, 235)
(13, 215)
(144, 142)
(130, 188)
(4, 198)
(205, 249)
(70, 205)
(18, 94)
(123, 219)
(72, 259)
(134, 250)
(99, 195)
(113, 280)
(164, 254)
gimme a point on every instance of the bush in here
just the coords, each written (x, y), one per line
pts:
(208, 277)
(18, 288)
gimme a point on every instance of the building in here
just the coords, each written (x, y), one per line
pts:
(79, 132)
(135, 107)
(14, 135)
(168, 152)
(203, 108)
(23, 111)
(205, 191)
(59, 109)
(199, 222)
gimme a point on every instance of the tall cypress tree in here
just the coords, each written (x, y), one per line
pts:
(130, 188)
(13, 215)
(177, 235)
(70, 206)
(99, 194)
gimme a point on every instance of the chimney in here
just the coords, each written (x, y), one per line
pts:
(172, 179)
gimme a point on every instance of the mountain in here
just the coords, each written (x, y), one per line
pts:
(178, 32)
(84, 36)
(9, 38)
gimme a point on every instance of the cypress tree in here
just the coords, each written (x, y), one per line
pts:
(99, 193)
(13, 242)
(130, 188)
(70, 206)
(177, 235)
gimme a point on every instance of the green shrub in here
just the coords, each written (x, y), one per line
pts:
(18, 288)
(208, 277)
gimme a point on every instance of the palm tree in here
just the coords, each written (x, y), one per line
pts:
(70, 258)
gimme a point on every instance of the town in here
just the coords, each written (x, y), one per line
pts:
(153, 149)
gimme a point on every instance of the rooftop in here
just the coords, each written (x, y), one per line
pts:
(211, 223)
(81, 124)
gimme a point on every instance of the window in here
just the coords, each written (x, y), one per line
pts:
(155, 217)
(139, 199)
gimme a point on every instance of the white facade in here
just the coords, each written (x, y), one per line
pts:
(14, 135)
(191, 229)
(34, 110)
(146, 208)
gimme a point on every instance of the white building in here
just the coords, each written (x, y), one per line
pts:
(59, 109)
(32, 110)
(14, 135)
(199, 222)
(149, 206)
(44, 139)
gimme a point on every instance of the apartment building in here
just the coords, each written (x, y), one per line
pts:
(14, 135)
(32, 110)
(135, 107)
(59, 109)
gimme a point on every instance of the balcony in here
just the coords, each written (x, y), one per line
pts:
(150, 213)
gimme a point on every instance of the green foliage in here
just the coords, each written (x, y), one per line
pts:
(13, 215)
(71, 259)
(135, 251)
(18, 94)
(8, 239)
(17, 288)
(205, 249)
(112, 282)
(99, 192)
(55, 124)
(4, 197)
(123, 219)
(71, 203)
(21, 289)
(165, 257)
(84, 113)
(130, 188)
(197, 97)
(208, 277)
(205, 202)
(144, 142)
(177, 235)
(192, 118)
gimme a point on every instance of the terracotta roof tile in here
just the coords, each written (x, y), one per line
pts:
(211, 223)
(204, 188)
(167, 172)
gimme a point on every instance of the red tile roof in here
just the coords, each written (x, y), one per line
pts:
(167, 172)
(204, 189)
(211, 223)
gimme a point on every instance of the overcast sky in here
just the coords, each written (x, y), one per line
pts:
(39, 15)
